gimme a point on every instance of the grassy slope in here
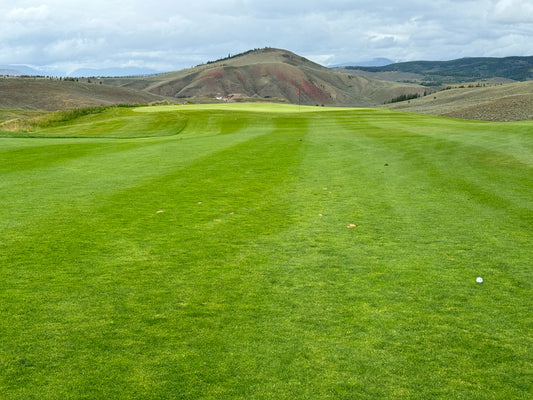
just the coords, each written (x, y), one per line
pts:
(46, 94)
(217, 262)
(7, 116)
(509, 102)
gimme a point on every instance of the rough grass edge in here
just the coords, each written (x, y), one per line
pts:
(54, 118)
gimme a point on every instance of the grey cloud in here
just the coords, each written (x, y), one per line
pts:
(175, 34)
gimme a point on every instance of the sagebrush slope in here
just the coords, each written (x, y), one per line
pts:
(53, 94)
(509, 102)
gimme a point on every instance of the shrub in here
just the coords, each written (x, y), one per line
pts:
(403, 97)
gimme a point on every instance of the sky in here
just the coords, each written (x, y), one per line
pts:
(166, 35)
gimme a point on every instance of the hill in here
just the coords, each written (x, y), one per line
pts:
(269, 74)
(454, 71)
(277, 75)
(18, 70)
(509, 102)
(52, 94)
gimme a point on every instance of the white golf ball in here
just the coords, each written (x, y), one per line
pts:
(479, 279)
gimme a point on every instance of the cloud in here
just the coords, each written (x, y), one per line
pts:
(323, 59)
(76, 47)
(513, 11)
(29, 14)
(383, 41)
(173, 34)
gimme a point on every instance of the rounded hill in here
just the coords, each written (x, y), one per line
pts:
(270, 74)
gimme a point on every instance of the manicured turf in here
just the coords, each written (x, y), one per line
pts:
(266, 252)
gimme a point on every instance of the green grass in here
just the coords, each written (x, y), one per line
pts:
(203, 252)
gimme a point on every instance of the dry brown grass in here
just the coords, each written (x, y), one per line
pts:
(52, 94)
(508, 102)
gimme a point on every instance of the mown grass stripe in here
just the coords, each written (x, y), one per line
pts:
(222, 262)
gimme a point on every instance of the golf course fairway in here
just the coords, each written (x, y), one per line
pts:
(262, 251)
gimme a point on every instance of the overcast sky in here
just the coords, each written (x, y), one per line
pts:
(173, 34)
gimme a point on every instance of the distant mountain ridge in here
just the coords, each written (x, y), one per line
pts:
(518, 68)
(24, 70)
(19, 70)
(375, 62)
(460, 70)
(111, 72)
